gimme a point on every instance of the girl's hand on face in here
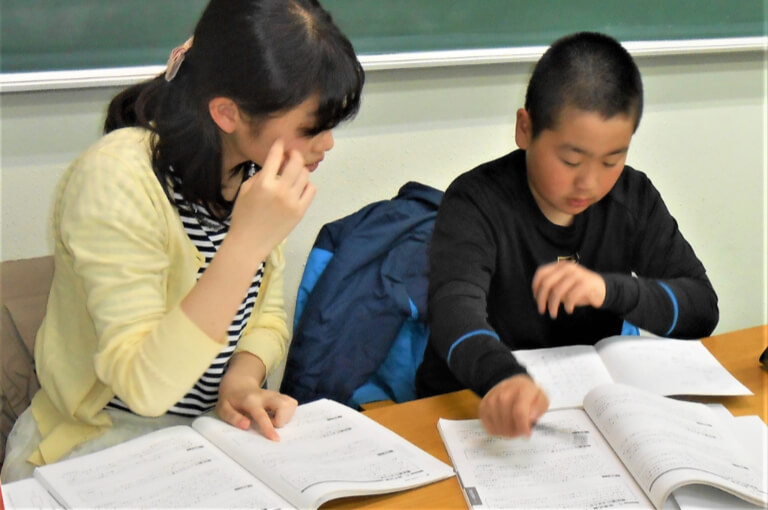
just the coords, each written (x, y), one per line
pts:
(271, 203)
(243, 402)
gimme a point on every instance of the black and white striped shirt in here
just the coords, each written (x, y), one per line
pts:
(206, 233)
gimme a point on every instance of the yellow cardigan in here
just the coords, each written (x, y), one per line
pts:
(113, 324)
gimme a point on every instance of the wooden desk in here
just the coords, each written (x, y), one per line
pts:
(417, 421)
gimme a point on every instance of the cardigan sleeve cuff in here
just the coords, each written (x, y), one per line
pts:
(265, 343)
(191, 347)
(169, 362)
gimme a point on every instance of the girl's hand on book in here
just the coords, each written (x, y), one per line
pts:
(243, 402)
(512, 407)
(569, 284)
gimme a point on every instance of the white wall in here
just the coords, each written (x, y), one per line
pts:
(702, 140)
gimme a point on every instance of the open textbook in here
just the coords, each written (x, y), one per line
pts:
(326, 451)
(752, 434)
(660, 365)
(627, 448)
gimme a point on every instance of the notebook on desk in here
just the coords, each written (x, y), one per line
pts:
(660, 365)
(326, 451)
(627, 448)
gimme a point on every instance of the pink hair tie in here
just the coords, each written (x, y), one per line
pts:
(176, 58)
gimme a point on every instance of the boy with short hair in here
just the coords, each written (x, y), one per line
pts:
(557, 243)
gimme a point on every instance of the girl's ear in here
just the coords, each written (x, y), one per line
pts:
(523, 129)
(224, 113)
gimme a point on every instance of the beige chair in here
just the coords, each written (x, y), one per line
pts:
(24, 286)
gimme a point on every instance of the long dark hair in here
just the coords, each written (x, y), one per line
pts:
(589, 71)
(268, 56)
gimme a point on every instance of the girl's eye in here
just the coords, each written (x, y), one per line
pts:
(310, 131)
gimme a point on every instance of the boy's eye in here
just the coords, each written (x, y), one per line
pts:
(570, 163)
(610, 164)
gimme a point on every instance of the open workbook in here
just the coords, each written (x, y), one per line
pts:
(325, 452)
(627, 448)
(660, 365)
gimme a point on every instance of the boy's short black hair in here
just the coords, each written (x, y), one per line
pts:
(589, 71)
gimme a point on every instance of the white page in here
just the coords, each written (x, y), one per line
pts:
(564, 464)
(667, 443)
(670, 504)
(721, 411)
(667, 367)
(27, 493)
(752, 435)
(328, 450)
(173, 467)
(705, 497)
(565, 373)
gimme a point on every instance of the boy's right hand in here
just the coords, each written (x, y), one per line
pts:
(512, 407)
(271, 203)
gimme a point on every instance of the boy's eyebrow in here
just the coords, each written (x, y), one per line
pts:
(573, 148)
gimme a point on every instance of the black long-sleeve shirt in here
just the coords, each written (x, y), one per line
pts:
(490, 237)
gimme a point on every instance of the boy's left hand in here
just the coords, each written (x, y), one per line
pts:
(242, 400)
(569, 284)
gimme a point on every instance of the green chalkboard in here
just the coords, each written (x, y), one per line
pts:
(42, 35)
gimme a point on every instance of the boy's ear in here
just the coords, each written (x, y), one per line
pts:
(523, 129)
(224, 113)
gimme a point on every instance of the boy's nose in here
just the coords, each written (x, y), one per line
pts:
(587, 178)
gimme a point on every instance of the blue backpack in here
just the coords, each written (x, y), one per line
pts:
(360, 318)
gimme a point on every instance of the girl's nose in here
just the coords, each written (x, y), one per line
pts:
(324, 141)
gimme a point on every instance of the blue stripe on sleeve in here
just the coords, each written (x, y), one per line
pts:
(629, 329)
(469, 335)
(414, 310)
(674, 305)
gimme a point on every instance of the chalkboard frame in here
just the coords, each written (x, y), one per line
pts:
(391, 34)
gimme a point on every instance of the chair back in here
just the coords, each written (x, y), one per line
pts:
(24, 287)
